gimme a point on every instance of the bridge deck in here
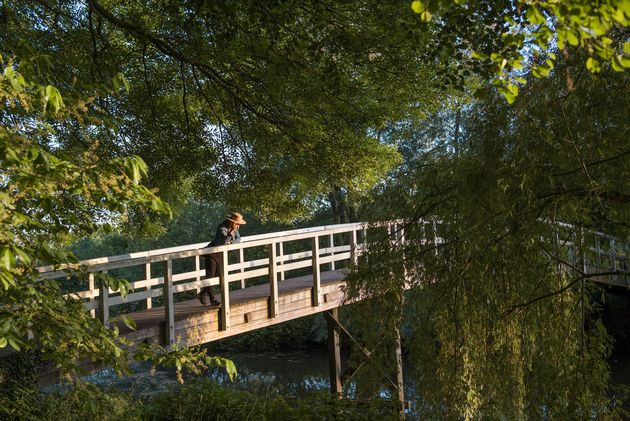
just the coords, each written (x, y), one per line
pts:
(196, 323)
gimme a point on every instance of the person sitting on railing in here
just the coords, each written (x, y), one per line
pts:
(227, 233)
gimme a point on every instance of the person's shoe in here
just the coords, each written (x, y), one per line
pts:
(204, 298)
(214, 302)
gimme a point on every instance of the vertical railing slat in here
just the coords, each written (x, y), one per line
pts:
(169, 305)
(280, 263)
(317, 287)
(102, 302)
(147, 276)
(331, 241)
(353, 248)
(273, 282)
(91, 289)
(197, 269)
(225, 292)
(241, 259)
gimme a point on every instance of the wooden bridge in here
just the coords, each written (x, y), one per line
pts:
(266, 279)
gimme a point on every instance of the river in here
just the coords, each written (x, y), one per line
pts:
(295, 372)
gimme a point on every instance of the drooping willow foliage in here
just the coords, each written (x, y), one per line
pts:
(499, 321)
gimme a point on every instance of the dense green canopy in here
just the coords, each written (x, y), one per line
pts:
(274, 106)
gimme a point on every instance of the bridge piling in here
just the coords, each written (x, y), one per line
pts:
(334, 353)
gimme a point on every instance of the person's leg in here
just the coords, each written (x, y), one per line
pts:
(206, 296)
(214, 271)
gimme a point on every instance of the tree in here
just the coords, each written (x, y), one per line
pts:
(49, 197)
(264, 105)
(495, 330)
(497, 38)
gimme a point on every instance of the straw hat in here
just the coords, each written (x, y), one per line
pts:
(236, 218)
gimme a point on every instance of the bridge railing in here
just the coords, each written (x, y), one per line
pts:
(270, 257)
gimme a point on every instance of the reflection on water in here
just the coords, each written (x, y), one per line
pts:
(296, 373)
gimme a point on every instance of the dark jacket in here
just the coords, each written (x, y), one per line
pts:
(223, 235)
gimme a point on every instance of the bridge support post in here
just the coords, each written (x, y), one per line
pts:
(399, 376)
(334, 352)
(169, 305)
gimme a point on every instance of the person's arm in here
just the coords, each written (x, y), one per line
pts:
(236, 237)
(222, 236)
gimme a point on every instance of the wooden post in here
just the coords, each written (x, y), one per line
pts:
(332, 253)
(334, 354)
(241, 259)
(353, 248)
(147, 276)
(273, 282)
(280, 254)
(197, 268)
(91, 288)
(317, 287)
(225, 292)
(169, 305)
(102, 303)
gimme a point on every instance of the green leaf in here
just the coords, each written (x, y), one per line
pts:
(617, 65)
(3, 342)
(119, 80)
(534, 16)
(593, 65)
(15, 344)
(417, 6)
(572, 38)
(52, 99)
(7, 260)
(128, 322)
(540, 71)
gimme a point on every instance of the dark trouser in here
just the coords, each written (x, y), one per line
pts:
(213, 267)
